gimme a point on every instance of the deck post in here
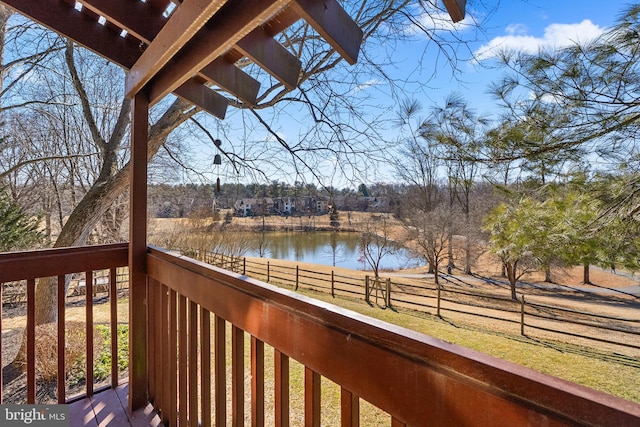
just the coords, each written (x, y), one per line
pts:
(138, 375)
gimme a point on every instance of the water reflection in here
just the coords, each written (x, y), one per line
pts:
(327, 248)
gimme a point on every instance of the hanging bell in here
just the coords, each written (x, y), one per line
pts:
(217, 160)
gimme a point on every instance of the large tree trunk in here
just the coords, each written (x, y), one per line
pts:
(110, 185)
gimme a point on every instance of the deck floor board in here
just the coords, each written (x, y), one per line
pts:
(110, 408)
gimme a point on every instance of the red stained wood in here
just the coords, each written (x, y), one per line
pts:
(223, 31)
(165, 366)
(312, 383)
(257, 383)
(227, 76)
(53, 262)
(173, 359)
(205, 98)
(113, 312)
(183, 24)
(205, 366)
(331, 21)
(31, 341)
(183, 375)
(1, 376)
(89, 330)
(193, 363)
(61, 378)
(237, 377)
(61, 17)
(137, 18)
(349, 409)
(417, 378)
(281, 389)
(271, 56)
(138, 374)
(163, 54)
(220, 375)
(456, 9)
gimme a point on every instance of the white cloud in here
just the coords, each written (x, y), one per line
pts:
(555, 36)
(366, 85)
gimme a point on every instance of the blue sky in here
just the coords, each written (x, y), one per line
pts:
(514, 24)
(522, 25)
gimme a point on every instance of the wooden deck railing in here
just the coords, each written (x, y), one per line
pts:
(417, 380)
(53, 267)
(196, 371)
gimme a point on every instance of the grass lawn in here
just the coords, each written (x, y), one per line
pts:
(614, 378)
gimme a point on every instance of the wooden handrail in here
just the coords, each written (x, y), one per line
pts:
(53, 262)
(417, 379)
(39, 265)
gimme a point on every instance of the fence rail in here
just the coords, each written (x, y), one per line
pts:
(532, 318)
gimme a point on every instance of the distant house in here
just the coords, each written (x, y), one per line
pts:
(251, 207)
(321, 205)
(243, 207)
(284, 205)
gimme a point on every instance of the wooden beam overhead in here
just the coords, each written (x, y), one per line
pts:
(224, 30)
(456, 9)
(183, 24)
(227, 76)
(262, 49)
(281, 21)
(62, 18)
(331, 21)
(146, 22)
(194, 91)
(135, 17)
(198, 44)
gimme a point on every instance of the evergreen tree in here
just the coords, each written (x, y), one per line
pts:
(18, 230)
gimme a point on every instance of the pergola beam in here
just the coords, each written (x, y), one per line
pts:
(183, 24)
(62, 18)
(227, 76)
(262, 49)
(456, 9)
(194, 91)
(334, 24)
(223, 31)
(135, 17)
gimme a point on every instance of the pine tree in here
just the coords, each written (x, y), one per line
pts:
(18, 230)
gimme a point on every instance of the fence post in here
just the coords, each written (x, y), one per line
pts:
(388, 294)
(376, 285)
(366, 289)
(244, 266)
(297, 276)
(438, 299)
(268, 272)
(522, 316)
(332, 285)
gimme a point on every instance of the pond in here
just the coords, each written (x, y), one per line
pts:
(327, 248)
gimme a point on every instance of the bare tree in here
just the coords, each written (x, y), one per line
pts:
(376, 243)
(94, 119)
